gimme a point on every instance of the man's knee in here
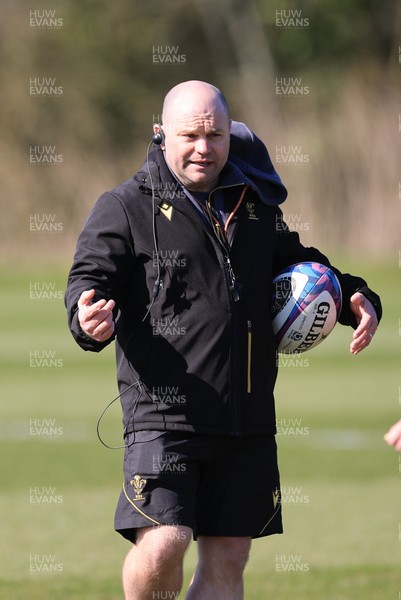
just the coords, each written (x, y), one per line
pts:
(163, 546)
(225, 553)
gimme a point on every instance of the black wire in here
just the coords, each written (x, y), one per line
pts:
(158, 281)
(136, 383)
(157, 285)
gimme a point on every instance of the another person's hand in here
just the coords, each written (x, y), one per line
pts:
(367, 322)
(393, 436)
(96, 319)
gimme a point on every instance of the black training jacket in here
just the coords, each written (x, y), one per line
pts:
(198, 358)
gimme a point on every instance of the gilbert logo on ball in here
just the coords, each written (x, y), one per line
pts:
(306, 304)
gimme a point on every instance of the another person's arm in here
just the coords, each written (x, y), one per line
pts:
(393, 436)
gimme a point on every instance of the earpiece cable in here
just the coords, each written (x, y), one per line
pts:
(157, 285)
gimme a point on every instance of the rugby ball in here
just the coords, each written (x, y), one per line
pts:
(306, 304)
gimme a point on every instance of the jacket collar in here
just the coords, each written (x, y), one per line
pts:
(267, 185)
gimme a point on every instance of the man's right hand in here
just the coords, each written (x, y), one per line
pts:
(96, 318)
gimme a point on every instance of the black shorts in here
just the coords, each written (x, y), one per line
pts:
(216, 485)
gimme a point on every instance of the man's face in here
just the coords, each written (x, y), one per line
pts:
(196, 146)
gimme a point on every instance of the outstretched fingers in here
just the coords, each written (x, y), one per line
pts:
(367, 323)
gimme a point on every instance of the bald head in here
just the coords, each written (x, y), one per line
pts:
(190, 95)
(196, 130)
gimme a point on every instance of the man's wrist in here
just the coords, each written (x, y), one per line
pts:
(373, 298)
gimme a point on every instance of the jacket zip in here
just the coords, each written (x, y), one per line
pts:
(233, 297)
(228, 270)
(234, 396)
(249, 382)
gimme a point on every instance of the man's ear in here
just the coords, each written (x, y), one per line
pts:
(158, 135)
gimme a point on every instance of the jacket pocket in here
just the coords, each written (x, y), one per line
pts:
(249, 365)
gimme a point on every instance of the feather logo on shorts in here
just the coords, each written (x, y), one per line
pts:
(138, 484)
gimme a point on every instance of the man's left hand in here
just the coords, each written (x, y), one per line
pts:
(367, 322)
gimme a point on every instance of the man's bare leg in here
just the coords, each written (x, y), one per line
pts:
(154, 565)
(219, 573)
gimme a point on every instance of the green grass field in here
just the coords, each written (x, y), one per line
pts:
(59, 486)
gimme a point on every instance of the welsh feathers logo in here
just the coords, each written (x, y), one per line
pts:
(250, 207)
(138, 483)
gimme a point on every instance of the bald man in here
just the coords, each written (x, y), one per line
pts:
(176, 265)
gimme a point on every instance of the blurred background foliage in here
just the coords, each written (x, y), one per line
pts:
(347, 52)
